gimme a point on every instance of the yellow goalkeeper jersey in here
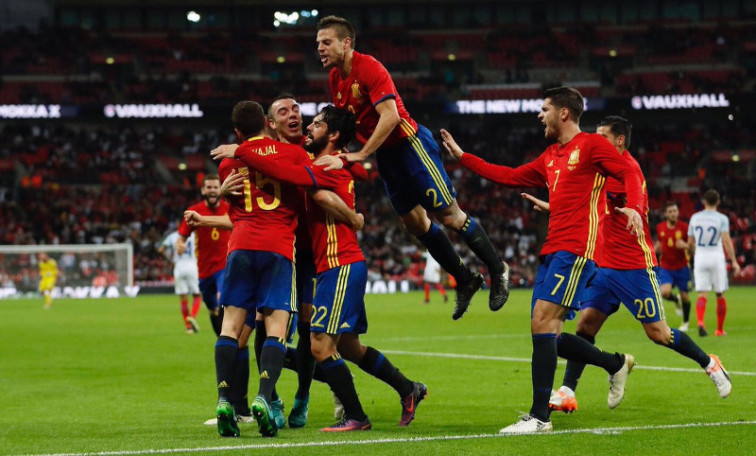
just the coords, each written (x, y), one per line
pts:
(48, 269)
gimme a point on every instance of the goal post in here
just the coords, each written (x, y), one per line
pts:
(84, 270)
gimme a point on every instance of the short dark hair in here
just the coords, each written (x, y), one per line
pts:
(669, 204)
(283, 96)
(566, 97)
(248, 117)
(342, 121)
(711, 197)
(211, 177)
(342, 27)
(618, 126)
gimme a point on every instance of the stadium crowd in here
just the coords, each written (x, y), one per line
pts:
(117, 190)
(67, 183)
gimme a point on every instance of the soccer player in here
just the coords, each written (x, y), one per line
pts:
(672, 242)
(48, 275)
(284, 121)
(185, 277)
(339, 309)
(432, 276)
(211, 245)
(708, 232)
(260, 274)
(627, 275)
(574, 169)
(409, 161)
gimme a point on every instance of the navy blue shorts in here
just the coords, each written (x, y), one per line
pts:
(679, 278)
(339, 305)
(562, 277)
(636, 289)
(413, 173)
(257, 280)
(210, 287)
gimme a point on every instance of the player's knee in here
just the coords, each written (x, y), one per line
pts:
(659, 335)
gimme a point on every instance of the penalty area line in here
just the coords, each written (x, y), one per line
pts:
(561, 361)
(597, 431)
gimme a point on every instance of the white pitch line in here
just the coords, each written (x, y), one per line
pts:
(598, 431)
(527, 360)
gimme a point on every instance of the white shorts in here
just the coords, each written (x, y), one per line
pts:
(186, 280)
(710, 272)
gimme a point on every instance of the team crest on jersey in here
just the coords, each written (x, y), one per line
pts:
(356, 91)
(338, 95)
(678, 234)
(574, 157)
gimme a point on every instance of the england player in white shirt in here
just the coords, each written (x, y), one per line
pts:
(708, 233)
(185, 276)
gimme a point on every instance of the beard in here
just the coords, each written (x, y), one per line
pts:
(314, 146)
(211, 201)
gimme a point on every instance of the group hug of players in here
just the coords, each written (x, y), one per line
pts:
(598, 253)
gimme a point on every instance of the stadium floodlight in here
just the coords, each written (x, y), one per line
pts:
(193, 16)
(85, 270)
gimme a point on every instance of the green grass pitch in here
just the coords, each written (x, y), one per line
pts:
(121, 377)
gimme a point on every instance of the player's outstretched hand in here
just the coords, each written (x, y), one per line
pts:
(192, 218)
(634, 220)
(451, 145)
(539, 205)
(330, 161)
(233, 185)
(224, 151)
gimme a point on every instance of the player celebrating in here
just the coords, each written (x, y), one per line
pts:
(260, 271)
(185, 277)
(48, 275)
(708, 232)
(339, 309)
(672, 242)
(212, 245)
(409, 161)
(627, 275)
(574, 170)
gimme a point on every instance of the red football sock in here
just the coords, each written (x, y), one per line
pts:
(427, 291)
(196, 305)
(185, 310)
(441, 289)
(721, 312)
(701, 309)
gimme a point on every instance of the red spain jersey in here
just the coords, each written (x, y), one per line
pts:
(574, 173)
(211, 244)
(672, 258)
(334, 243)
(368, 84)
(265, 216)
(623, 249)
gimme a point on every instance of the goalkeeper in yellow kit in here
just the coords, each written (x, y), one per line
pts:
(48, 274)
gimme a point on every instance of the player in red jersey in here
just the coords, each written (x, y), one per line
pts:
(627, 275)
(260, 271)
(339, 311)
(285, 123)
(672, 243)
(409, 162)
(211, 245)
(574, 170)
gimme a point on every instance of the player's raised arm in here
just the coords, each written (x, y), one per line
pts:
(531, 174)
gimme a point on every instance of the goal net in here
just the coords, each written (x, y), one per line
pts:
(84, 270)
